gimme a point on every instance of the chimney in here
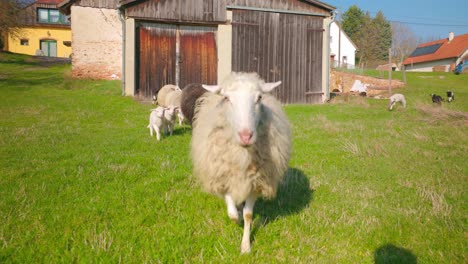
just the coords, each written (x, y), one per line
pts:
(450, 38)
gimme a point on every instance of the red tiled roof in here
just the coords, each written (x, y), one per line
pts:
(53, 2)
(447, 50)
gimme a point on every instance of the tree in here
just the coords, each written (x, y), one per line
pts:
(404, 41)
(367, 41)
(353, 20)
(372, 36)
(384, 35)
(10, 18)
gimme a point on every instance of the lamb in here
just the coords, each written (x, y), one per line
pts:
(190, 94)
(395, 99)
(241, 144)
(170, 118)
(437, 99)
(163, 94)
(162, 120)
(450, 96)
(157, 122)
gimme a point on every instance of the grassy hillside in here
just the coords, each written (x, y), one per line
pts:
(81, 180)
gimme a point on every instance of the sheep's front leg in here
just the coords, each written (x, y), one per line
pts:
(248, 217)
(158, 133)
(232, 209)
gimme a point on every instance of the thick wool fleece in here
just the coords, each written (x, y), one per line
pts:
(223, 166)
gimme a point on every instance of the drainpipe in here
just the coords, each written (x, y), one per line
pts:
(332, 19)
(122, 20)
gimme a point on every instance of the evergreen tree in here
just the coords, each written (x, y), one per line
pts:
(384, 31)
(352, 22)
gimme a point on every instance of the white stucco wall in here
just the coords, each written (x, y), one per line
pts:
(130, 55)
(427, 66)
(96, 43)
(224, 46)
(347, 48)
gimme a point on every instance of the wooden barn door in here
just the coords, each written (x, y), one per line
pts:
(283, 47)
(197, 56)
(156, 58)
(171, 54)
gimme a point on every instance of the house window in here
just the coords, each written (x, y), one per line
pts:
(24, 42)
(51, 16)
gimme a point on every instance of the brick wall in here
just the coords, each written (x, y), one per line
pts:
(96, 43)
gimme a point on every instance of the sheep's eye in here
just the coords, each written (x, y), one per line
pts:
(226, 99)
(259, 97)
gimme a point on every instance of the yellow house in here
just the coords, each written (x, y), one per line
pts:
(45, 31)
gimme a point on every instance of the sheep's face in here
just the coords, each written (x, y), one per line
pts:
(243, 102)
(159, 112)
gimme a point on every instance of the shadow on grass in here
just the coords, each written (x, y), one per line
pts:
(390, 254)
(294, 194)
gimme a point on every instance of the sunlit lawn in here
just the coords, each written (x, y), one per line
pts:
(82, 181)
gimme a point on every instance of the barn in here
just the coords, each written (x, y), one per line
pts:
(181, 42)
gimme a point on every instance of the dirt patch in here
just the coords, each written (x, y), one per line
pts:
(343, 81)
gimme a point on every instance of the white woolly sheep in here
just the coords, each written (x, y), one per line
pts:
(395, 99)
(173, 98)
(164, 91)
(241, 144)
(157, 122)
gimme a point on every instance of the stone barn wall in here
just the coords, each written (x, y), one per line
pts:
(96, 43)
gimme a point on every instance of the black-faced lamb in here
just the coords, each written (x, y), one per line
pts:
(437, 99)
(395, 99)
(450, 96)
(241, 144)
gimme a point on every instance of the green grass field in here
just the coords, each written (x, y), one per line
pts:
(82, 181)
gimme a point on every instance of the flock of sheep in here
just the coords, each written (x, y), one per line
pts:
(241, 139)
(436, 99)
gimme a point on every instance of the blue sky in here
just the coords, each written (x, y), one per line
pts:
(429, 20)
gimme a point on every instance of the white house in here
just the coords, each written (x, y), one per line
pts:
(342, 48)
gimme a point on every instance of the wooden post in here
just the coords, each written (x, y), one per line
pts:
(403, 68)
(390, 72)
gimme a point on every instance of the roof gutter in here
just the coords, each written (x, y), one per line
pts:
(281, 11)
(327, 85)
(122, 20)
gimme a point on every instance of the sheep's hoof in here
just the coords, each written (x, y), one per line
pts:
(245, 248)
(234, 216)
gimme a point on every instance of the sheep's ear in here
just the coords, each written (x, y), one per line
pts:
(268, 87)
(212, 88)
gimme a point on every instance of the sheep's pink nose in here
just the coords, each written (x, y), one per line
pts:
(245, 137)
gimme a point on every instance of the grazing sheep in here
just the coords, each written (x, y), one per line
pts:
(437, 99)
(157, 122)
(190, 94)
(450, 96)
(395, 99)
(173, 98)
(241, 144)
(163, 93)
